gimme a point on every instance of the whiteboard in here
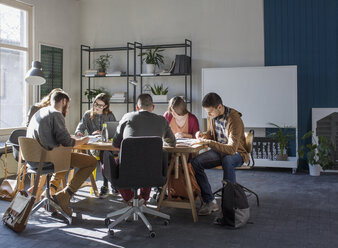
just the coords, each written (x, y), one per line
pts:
(261, 94)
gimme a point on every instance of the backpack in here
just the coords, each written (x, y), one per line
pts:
(177, 188)
(235, 206)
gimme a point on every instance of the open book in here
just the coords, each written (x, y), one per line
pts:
(187, 142)
(94, 138)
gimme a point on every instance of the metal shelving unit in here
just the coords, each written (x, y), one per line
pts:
(133, 47)
(88, 50)
(187, 45)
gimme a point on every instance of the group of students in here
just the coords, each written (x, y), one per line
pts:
(224, 136)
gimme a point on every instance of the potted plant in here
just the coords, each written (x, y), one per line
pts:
(152, 58)
(92, 93)
(282, 136)
(159, 93)
(319, 153)
(103, 63)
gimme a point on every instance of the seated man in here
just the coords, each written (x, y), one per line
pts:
(225, 136)
(48, 127)
(140, 123)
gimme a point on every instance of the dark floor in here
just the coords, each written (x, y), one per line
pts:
(296, 211)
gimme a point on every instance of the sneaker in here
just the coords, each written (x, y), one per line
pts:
(114, 191)
(104, 192)
(63, 199)
(208, 208)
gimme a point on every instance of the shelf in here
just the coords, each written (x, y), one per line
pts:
(138, 75)
(107, 76)
(180, 45)
(171, 75)
(107, 49)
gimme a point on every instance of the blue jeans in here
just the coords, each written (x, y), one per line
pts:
(211, 159)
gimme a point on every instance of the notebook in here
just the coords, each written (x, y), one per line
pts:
(111, 126)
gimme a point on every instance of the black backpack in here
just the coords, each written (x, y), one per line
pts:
(235, 206)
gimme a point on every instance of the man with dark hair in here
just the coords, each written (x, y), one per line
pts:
(225, 136)
(139, 123)
(48, 127)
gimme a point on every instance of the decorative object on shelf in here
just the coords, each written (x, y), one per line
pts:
(90, 73)
(159, 93)
(182, 65)
(153, 58)
(118, 97)
(103, 63)
(35, 75)
(147, 89)
(319, 154)
(167, 72)
(282, 136)
(92, 93)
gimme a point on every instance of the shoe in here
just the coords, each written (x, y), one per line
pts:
(114, 191)
(208, 208)
(62, 199)
(104, 192)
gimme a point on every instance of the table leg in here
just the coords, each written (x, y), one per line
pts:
(164, 188)
(189, 188)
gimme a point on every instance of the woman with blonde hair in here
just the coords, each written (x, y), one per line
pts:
(181, 121)
(43, 103)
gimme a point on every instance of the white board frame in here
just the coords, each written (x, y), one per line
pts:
(262, 94)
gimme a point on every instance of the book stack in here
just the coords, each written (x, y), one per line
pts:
(118, 97)
(113, 74)
(90, 73)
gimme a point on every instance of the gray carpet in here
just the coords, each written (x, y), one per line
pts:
(296, 211)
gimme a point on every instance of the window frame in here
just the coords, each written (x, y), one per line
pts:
(28, 49)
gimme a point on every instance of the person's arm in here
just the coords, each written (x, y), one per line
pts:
(60, 131)
(81, 141)
(193, 125)
(118, 137)
(169, 137)
(81, 127)
(236, 130)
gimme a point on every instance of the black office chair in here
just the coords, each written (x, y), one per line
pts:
(13, 141)
(142, 163)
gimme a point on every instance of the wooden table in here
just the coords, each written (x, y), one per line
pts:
(183, 153)
(102, 146)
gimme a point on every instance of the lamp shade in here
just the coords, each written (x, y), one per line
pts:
(35, 75)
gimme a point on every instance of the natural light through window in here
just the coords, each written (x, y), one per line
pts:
(14, 56)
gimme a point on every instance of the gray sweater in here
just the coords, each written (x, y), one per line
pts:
(86, 124)
(48, 127)
(143, 123)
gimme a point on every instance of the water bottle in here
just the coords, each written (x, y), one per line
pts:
(104, 133)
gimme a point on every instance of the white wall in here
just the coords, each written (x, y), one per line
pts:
(57, 22)
(224, 33)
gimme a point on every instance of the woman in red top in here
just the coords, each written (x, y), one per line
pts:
(181, 121)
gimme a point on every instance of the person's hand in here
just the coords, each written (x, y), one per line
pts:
(199, 135)
(85, 140)
(179, 135)
(79, 134)
(97, 132)
(204, 141)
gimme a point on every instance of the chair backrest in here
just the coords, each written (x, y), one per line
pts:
(32, 151)
(142, 163)
(249, 137)
(14, 142)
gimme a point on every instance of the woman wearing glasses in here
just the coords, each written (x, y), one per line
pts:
(92, 122)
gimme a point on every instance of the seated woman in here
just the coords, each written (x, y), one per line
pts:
(181, 121)
(92, 122)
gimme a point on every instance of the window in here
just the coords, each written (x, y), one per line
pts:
(51, 62)
(15, 48)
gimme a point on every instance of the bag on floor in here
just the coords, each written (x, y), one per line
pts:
(16, 216)
(177, 187)
(235, 206)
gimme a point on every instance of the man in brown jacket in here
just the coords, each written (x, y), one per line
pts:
(225, 137)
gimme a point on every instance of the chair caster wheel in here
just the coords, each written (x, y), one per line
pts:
(166, 222)
(111, 232)
(152, 234)
(107, 222)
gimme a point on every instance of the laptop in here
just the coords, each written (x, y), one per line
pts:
(112, 126)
